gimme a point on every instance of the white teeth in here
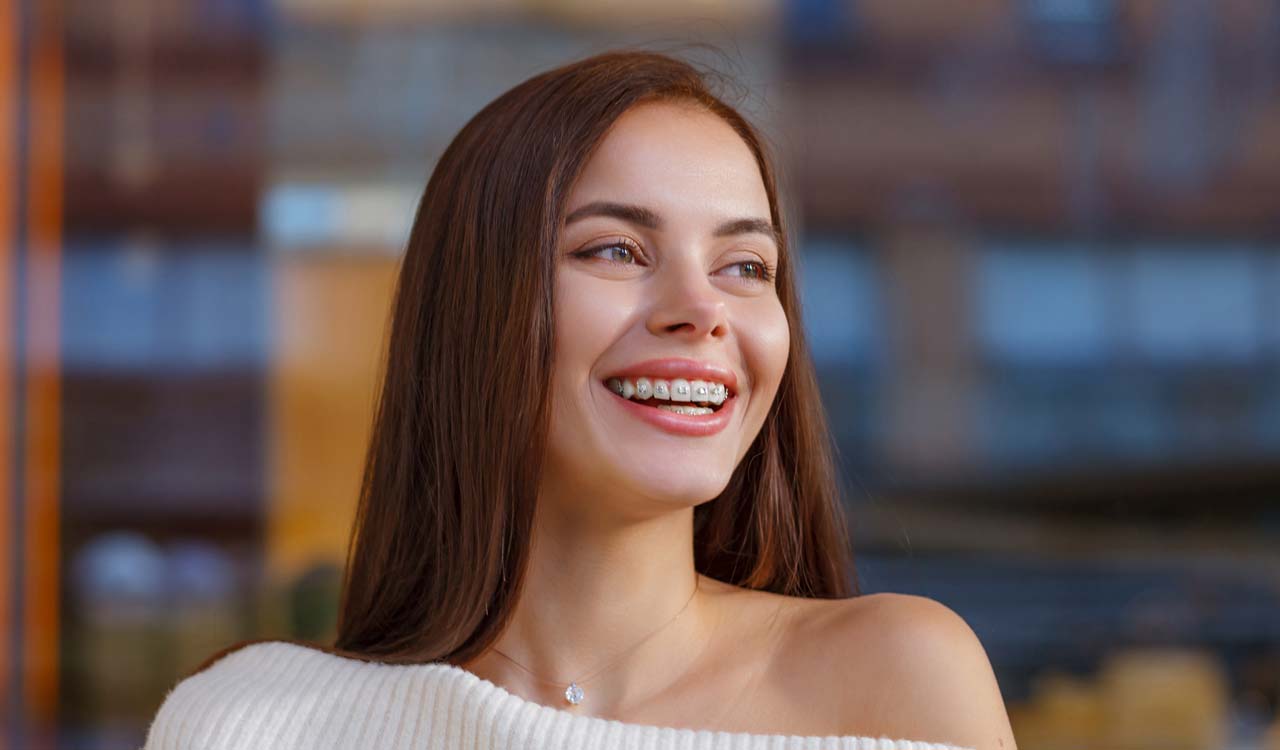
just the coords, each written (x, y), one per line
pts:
(676, 389)
(686, 410)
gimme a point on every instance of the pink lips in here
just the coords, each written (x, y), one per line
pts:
(694, 425)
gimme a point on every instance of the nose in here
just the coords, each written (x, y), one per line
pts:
(687, 304)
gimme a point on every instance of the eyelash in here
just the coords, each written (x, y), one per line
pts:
(767, 270)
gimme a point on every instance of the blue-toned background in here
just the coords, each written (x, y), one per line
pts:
(1039, 243)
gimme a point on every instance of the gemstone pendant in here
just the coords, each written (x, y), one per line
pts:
(573, 693)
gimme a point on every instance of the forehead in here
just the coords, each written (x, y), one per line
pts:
(676, 159)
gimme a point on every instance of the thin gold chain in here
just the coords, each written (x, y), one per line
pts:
(586, 679)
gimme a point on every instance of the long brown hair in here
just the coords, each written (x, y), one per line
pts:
(439, 546)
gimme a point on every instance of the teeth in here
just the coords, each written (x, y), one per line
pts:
(677, 390)
(719, 392)
(686, 410)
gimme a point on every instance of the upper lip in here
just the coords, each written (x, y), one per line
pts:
(680, 367)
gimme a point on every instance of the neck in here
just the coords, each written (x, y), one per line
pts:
(597, 608)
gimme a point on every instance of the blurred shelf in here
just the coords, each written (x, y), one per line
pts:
(1225, 488)
(894, 525)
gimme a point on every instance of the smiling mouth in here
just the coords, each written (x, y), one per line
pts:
(676, 395)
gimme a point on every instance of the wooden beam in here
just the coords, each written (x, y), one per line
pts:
(41, 378)
(9, 51)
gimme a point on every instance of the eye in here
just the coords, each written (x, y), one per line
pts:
(621, 252)
(755, 270)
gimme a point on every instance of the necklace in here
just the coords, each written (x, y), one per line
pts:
(573, 693)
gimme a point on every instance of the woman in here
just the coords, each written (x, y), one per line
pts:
(599, 508)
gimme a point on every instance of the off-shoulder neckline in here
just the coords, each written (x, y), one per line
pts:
(494, 692)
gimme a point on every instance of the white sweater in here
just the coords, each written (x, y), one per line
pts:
(285, 696)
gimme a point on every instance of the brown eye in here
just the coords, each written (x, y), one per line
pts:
(621, 253)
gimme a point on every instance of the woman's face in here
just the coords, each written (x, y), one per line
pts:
(663, 277)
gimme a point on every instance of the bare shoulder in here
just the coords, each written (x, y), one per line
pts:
(909, 667)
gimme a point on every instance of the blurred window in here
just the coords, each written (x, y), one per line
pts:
(841, 303)
(1043, 305)
(1270, 281)
(120, 564)
(820, 30)
(1196, 305)
(133, 305)
(199, 570)
(339, 216)
(1073, 32)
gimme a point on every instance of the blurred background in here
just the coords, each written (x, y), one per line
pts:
(1039, 242)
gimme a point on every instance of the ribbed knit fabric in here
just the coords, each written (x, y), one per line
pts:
(285, 696)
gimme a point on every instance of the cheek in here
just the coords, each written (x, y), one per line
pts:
(766, 344)
(588, 319)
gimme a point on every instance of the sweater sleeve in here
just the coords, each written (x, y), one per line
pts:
(210, 709)
(199, 713)
(185, 707)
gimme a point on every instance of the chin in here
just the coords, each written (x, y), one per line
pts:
(676, 487)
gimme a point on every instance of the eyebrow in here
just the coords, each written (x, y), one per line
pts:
(641, 216)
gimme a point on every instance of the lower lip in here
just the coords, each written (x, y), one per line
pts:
(694, 425)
